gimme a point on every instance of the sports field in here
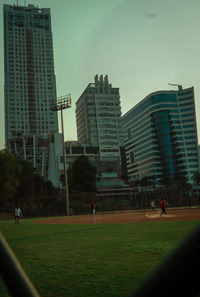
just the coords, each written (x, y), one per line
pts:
(71, 256)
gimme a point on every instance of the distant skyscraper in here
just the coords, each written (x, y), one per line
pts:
(98, 118)
(29, 72)
(161, 135)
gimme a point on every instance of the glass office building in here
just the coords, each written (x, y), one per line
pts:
(30, 84)
(161, 135)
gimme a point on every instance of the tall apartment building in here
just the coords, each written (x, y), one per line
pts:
(98, 119)
(161, 135)
(30, 84)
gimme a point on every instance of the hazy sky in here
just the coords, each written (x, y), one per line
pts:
(141, 45)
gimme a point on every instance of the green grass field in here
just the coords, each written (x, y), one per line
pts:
(91, 260)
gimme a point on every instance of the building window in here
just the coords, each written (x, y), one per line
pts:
(132, 158)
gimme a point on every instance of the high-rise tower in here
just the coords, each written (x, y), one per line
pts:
(29, 72)
(98, 118)
(161, 135)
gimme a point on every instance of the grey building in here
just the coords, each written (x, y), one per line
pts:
(161, 135)
(98, 119)
(30, 84)
(107, 172)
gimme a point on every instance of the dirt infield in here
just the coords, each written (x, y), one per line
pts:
(128, 217)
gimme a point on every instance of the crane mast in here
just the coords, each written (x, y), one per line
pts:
(180, 87)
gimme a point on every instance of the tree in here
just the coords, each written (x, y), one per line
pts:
(9, 172)
(196, 178)
(62, 180)
(82, 176)
(182, 186)
(135, 183)
(124, 176)
(25, 177)
(180, 181)
(49, 188)
(38, 183)
(19, 181)
(144, 181)
(166, 181)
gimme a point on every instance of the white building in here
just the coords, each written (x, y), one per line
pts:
(98, 119)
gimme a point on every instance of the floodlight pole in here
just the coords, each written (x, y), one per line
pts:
(65, 169)
(63, 103)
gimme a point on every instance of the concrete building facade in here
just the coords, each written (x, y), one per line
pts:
(31, 127)
(98, 120)
(30, 86)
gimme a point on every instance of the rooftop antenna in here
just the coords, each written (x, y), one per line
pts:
(180, 87)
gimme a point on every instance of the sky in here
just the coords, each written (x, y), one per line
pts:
(142, 45)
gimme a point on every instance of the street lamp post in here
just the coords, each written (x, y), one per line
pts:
(61, 103)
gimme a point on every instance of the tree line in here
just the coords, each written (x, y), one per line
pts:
(19, 180)
(175, 188)
(178, 181)
(81, 176)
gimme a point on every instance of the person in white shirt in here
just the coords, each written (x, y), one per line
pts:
(153, 205)
(18, 214)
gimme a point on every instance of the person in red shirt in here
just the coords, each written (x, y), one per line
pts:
(162, 206)
(92, 207)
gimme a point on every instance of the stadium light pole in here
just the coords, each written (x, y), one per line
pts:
(61, 103)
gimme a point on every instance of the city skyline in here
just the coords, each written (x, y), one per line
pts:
(141, 46)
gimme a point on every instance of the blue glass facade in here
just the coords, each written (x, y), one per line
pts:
(161, 135)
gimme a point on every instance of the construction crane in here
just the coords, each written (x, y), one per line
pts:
(176, 85)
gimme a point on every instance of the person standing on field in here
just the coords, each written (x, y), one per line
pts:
(92, 208)
(153, 205)
(18, 214)
(162, 206)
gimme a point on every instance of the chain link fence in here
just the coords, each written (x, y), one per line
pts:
(105, 201)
